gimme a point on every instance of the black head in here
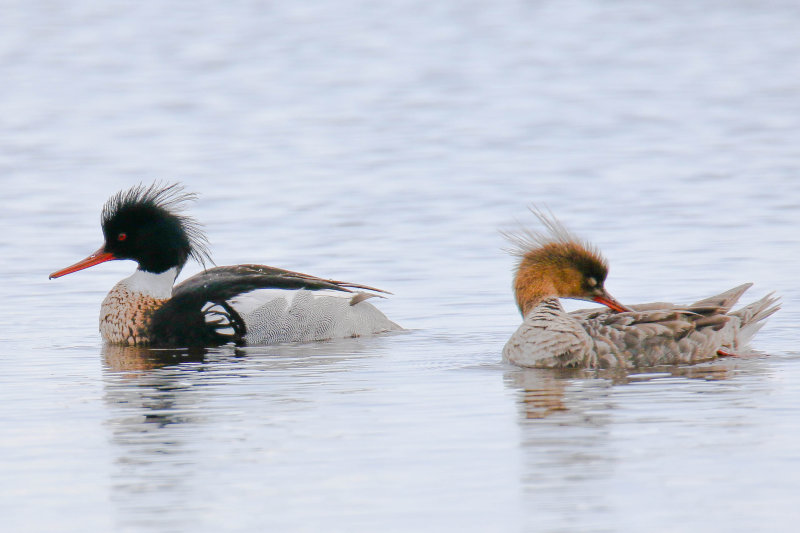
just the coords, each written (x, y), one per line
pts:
(144, 224)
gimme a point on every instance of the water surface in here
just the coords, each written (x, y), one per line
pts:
(386, 144)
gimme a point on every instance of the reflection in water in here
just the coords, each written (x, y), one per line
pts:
(542, 391)
(570, 422)
(130, 358)
(163, 404)
(564, 418)
(155, 410)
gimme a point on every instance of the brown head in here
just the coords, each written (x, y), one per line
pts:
(557, 264)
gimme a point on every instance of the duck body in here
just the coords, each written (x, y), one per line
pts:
(647, 335)
(555, 264)
(258, 305)
(242, 304)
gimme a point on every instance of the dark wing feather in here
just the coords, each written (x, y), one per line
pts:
(228, 281)
(187, 319)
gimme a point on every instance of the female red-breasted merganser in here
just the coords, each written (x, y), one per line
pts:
(555, 264)
(242, 304)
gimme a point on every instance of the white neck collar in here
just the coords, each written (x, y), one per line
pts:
(155, 285)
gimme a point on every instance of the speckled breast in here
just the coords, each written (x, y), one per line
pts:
(125, 316)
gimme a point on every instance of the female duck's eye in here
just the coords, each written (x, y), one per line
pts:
(121, 237)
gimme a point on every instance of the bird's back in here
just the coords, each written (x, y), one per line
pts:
(258, 305)
(665, 334)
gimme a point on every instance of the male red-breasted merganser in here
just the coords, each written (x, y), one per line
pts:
(555, 264)
(242, 304)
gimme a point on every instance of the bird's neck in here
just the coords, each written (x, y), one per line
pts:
(531, 289)
(153, 285)
(545, 309)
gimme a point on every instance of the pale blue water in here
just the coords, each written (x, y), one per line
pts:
(386, 143)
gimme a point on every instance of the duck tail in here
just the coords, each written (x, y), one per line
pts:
(720, 303)
(752, 316)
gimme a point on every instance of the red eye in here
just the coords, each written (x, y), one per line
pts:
(121, 237)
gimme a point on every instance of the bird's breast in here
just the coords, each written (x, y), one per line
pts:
(125, 316)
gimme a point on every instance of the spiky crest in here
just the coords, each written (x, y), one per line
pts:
(167, 199)
(553, 262)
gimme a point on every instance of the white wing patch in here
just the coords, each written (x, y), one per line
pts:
(273, 316)
(247, 303)
(216, 316)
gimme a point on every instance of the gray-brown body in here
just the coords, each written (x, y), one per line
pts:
(649, 335)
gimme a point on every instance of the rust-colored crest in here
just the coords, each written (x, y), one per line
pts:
(554, 263)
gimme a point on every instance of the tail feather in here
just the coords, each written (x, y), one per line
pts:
(361, 296)
(752, 316)
(723, 302)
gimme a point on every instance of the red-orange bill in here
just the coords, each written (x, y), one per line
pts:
(610, 302)
(100, 256)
